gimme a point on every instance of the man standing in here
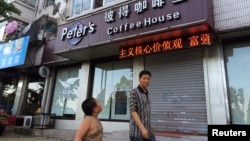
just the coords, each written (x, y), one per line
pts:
(139, 125)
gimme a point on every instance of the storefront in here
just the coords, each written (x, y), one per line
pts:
(178, 91)
(21, 85)
(199, 72)
(237, 54)
(12, 54)
(235, 43)
(172, 39)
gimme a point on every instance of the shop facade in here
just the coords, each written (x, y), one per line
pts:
(192, 54)
(114, 44)
(233, 31)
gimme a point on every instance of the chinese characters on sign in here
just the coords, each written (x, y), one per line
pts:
(139, 7)
(13, 53)
(167, 45)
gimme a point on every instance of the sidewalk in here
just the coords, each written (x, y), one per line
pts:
(18, 137)
(27, 134)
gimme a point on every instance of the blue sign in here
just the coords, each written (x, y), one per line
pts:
(13, 53)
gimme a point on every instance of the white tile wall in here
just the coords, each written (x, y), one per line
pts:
(230, 14)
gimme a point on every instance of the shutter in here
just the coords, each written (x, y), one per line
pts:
(177, 91)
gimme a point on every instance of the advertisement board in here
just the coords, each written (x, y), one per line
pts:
(13, 53)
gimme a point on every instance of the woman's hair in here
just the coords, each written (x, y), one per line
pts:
(144, 72)
(88, 105)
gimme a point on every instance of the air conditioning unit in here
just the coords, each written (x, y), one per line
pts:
(27, 122)
(44, 120)
(41, 121)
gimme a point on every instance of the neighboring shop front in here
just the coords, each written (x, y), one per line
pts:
(234, 36)
(237, 53)
(12, 54)
(172, 39)
(21, 87)
(21, 81)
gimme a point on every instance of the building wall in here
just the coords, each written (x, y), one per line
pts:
(231, 14)
(65, 10)
(214, 75)
(28, 12)
(215, 85)
(228, 15)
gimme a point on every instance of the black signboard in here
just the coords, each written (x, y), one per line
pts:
(121, 103)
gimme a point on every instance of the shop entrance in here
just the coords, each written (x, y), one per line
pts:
(33, 94)
(177, 91)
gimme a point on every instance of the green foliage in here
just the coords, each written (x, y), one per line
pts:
(8, 97)
(7, 8)
(237, 105)
(34, 99)
(125, 84)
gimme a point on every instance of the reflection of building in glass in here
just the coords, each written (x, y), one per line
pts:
(66, 92)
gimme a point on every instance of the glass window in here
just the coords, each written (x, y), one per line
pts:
(108, 1)
(112, 84)
(98, 3)
(30, 2)
(34, 97)
(238, 68)
(34, 94)
(65, 93)
(49, 3)
(81, 5)
(8, 88)
(84, 5)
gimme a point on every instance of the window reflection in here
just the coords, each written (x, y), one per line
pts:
(85, 5)
(34, 94)
(30, 2)
(49, 2)
(66, 91)
(81, 5)
(238, 68)
(112, 84)
(34, 97)
(8, 92)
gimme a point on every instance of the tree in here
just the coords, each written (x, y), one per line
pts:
(7, 8)
(34, 98)
(8, 97)
(237, 105)
(125, 84)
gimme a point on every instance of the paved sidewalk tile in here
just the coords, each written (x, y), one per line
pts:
(16, 137)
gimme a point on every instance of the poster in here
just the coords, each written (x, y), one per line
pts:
(121, 103)
(13, 53)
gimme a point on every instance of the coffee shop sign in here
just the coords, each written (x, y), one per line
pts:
(77, 31)
(139, 7)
